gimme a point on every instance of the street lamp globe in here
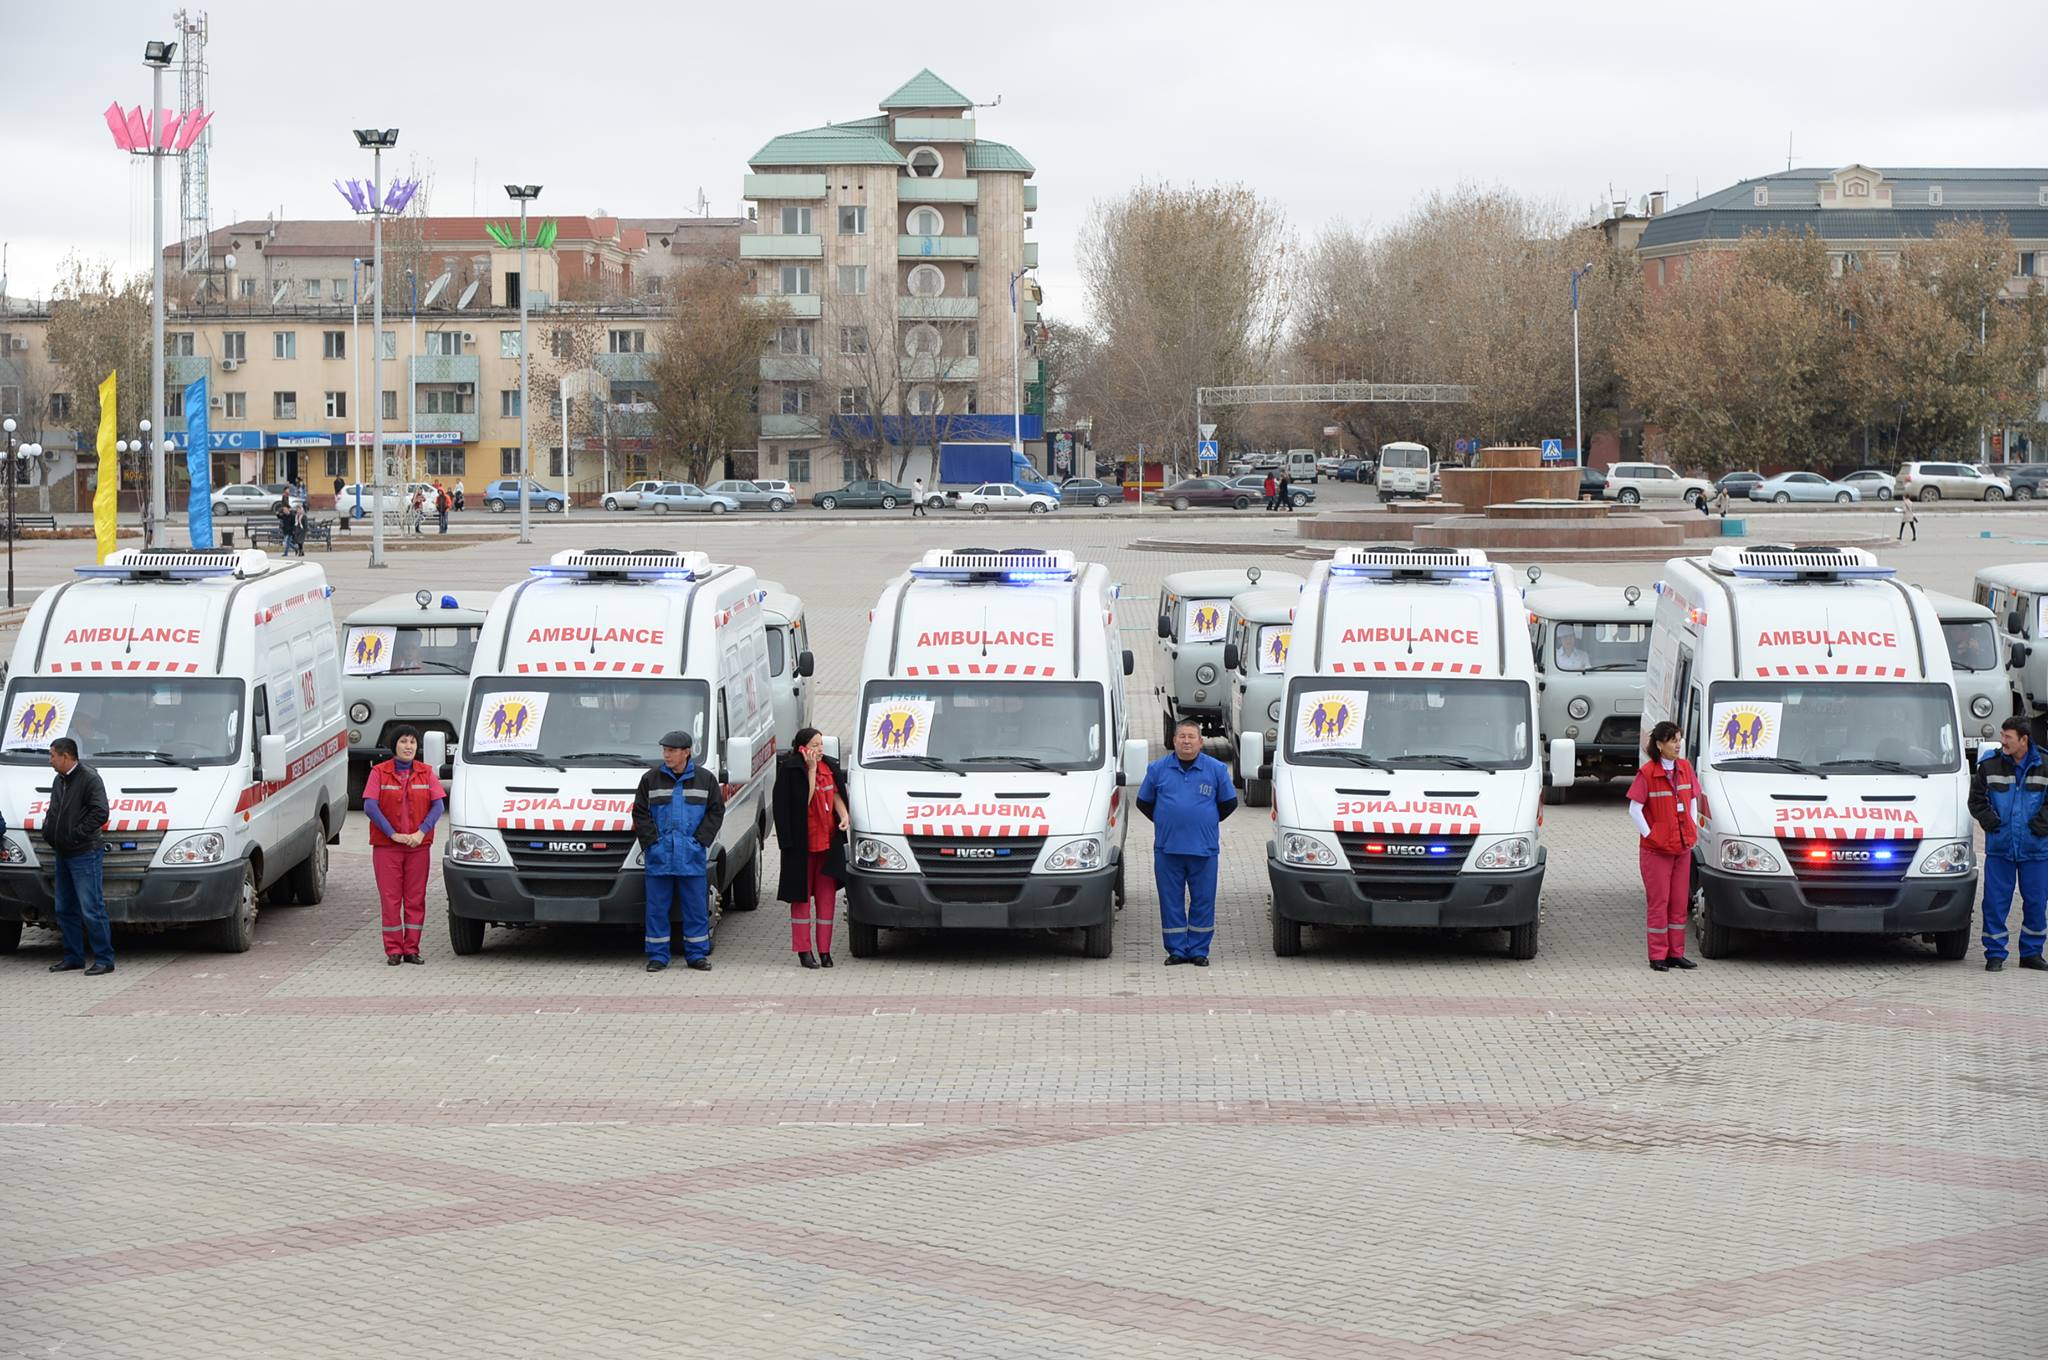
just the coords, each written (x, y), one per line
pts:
(145, 427)
(7, 424)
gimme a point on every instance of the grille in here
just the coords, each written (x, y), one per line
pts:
(551, 868)
(989, 857)
(123, 868)
(1851, 865)
(1409, 857)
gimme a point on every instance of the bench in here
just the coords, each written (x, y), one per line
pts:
(15, 527)
(319, 531)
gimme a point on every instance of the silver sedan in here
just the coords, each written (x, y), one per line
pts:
(672, 497)
(752, 497)
(1803, 486)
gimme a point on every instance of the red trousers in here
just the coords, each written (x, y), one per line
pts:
(810, 922)
(1667, 886)
(402, 889)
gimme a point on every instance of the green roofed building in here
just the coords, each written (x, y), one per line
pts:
(889, 243)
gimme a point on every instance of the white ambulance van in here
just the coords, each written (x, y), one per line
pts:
(205, 687)
(581, 670)
(993, 771)
(1815, 697)
(790, 663)
(1255, 662)
(1406, 786)
(1194, 615)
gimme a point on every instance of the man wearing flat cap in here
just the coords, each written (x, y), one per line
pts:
(677, 811)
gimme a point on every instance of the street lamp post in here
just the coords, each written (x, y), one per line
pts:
(525, 194)
(156, 56)
(355, 341)
(1016, 369)
(8, 426)
(1578, 411)
(377, 142)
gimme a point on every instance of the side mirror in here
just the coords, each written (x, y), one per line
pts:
(2014, 622)
(1165, 628)
(739, 760)
(2020, 653)
(1564, 762)
(806, 664)
(1251, 754)
(270, 757)
(1232, 658)
(1130, 663)
(434, 750)
(832, 747)
(1136, 756)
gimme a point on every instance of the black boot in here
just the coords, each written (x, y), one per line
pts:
(807, 958)
(1681, 961)
(825, 958)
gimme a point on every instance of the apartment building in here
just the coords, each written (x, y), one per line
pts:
(890, 244)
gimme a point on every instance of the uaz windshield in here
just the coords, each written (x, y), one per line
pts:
(1602, 646)
(1769, 726)
(130, 721)
(977, 724)
(1409, 724)
(518, 719)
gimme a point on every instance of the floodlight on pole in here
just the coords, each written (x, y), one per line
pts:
(376, 202)
(1578, 411)
(158, 53)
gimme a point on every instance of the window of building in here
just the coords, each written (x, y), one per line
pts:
(971, 281)
(446, 401)
(390, 404)
(927, 281)
(971, 222)
(970, 341)
(508, 403)
(1934, 195)
(926, 222)
(312, 290)
(337, 406)
(235, 345)
(560, 342)
(337, 462)
(853, 401)
(555, 462)
(444, 344)
(1762, 196)
(853, 220)
(508, 344)
(926, 163)
(924, 401)
(245, 288)
(178, 345)
(796, 401)
(508, 462)
(796, 221)
(973, 402)
(334, 344)
(627, 342)
(793, 339)
(445, 462)
(853, 280)
(796, 279)
(1660, 273)
(10, 401)
(174, 402)
(284, 405)
(235, 405)
(390, 345)
(60, 406)
(799, 467)
(340, 289)
(921, 339)
(853, 339)
(2028, 264)
(284, 344)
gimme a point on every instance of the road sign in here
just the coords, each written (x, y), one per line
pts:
(1553, 450)
(1463, 446)
(1206, 450)
(1208, 432)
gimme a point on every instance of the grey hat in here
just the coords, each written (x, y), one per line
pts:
(678, 740)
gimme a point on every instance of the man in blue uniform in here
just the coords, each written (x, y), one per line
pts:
(677, 811)
(1186, 796)
(2009, 799)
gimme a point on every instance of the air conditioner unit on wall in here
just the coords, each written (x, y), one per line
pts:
(230, 365)
(213, 403)
(17, 343)
(469, 337)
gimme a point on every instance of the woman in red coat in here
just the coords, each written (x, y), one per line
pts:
(403, 799)
(1664, 805)
(810, 828)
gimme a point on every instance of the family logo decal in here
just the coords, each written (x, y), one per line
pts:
(1331, 720)
(897, 727)
(1276, 648)
(39, 718)
(1742, 729)
(510, 722)
(894, 729)
(369, 649)
(509, 719)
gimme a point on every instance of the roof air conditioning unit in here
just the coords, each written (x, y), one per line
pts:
(230, 365)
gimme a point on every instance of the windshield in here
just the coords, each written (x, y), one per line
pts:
(198, 722)
(1766, 725)
(514, 719)
(1404, 458)
(1972, 645)
(1602, 646)
(968, 724)
(1409, 724)
(391, 649)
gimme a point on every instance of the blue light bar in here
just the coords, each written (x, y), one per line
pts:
(1796, 573)
(966, 574)
(1881, 854)
(598, 573)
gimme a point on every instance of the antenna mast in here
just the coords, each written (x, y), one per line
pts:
(194, 223)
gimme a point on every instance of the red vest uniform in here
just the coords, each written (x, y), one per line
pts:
(403, 798)
(1670, 805)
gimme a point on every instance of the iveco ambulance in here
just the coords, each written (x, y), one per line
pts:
(1813, 691)
(1194, 614)
(205, 688)
(993, 773)
(582, 668)
(1406, 788)
(1254, 661)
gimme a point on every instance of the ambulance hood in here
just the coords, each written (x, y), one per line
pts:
(1407, 802)
(515, 798)
(916, 802)
(1768, 805)
(141, 799)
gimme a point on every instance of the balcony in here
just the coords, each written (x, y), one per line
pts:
(468, 424)
(783, 186)
(1031, 254)
(795, 305)
(181, 370)
(938, 247)
(763, 246)
(792, 367)
(1029, 308)
(911, 131)
(936, 309)
(1031, 198)
(622, 368)
(1027, 370)
(909, 190)
(775, 425)
(446, 368)
(941, 368)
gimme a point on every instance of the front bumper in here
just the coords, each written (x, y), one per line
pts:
(1468, 901)
(498, 894)
(162, 896)
(1912, 906)
(1039, 902)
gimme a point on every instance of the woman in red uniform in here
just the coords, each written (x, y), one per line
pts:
(810, 829)
(403, 799)
(1663, 803)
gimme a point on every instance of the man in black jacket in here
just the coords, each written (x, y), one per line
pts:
(77, 815)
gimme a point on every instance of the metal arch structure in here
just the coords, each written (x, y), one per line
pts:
(1330, 394)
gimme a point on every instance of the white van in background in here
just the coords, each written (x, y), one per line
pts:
(1977, 654)
(1260, 629)
(790, 663)
(1403, 471)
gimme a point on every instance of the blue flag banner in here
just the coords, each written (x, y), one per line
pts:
(199, 464)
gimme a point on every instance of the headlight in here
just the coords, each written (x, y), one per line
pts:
(1980, 707)
(1516, 852)
(1308, 851)
(205, 848)
(1273, 711)
(1952, 858)
(359, 712)
(466, 847)
(1747, 857)
(1578, 708)
(1204, 673)
(1075, 856)
(879, 857)
(10, 853)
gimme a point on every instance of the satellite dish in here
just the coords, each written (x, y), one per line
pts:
(230, 263)
(435, 290)
(468, 293)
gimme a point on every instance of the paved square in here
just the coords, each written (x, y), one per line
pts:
(992, 1147)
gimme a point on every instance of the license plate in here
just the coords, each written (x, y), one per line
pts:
(1406, 914)
(974, 915)
(565, 911)
(1852, 920)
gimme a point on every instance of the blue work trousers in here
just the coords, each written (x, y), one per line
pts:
(82, 909)
(666, 893)
(2000, 875)
(1187, 902)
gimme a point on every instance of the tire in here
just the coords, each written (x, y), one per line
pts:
(496, 507)
(1992, 493)
(1038, 508)
(1932, 493)
(358, 775)
(981, 509)
(10, 936)
(2023, 493)
(718, 507)
(1286, 935)
(1556, 794)
(1101, 502)
(1180, 502)
(356, 512)
(863, 940)
(1884, 493)
(235, 933)
(465, 935)
(554, 507)
(777, 506)
(308, 878)
(888, 502)
(1258, 792)
(1522, 940)
(1099, 940)
(1951, 945)
(1716, 941)
(1782, 498)
(1842, 498)
(1628, 495)
(1297, 501)
(828, 502)
(1169, 723)
(1242, 502)
(661, 507)
(611, 503)
(744, 892)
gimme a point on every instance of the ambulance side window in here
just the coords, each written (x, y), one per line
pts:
(259, 717)
(1692, 728)
(1681, 689)
(323, 676)
(724, 728)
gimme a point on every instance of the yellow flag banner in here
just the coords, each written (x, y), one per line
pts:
(106, 501)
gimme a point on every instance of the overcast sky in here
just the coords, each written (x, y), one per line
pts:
(1338, 111)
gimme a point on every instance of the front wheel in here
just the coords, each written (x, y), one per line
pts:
(10, 936)
(355, 513)
(1522, 940)
(1555, 794)
(744, 892)
(1884, 493)
(1099, 941)
(234, 933)
(309, 879)
(1240, 503)
(1782, 498)
(1037, 508)
(888, 502)
(1258, 792)
(2023, 493)
(1842, 498)
(1286, 935)
(777, 506)
(1101, 501)
(1716, 940)
(863, 940)
(556, 507)
(1628, 495)
(1697, 501)
(718, 507)
(1180, 503)
(1992, 493)
(465, 935)
(611, 502)
(828, 502)
(1950, 945)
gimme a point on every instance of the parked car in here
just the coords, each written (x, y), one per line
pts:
(1631, 483)
(503, 495)
(2029, 480)
(1089, 491)
(1002, 496)
(1738, 485)
(752, 495)
(1203, 491)
(869, 494)
(1350, 470)
(1953, 481)
(686, 498)
(244, 498)
(375, 498)
(1803, 486)
(1256, 484)
(1876, 484)
(1592, 483)
(777, 488)
(628, 497)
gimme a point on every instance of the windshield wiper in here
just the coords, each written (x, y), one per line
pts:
(1455, 762)
(530, 757)
(1353, 758)
(1772, 762)
(622, 757)
(1618, 666)
(1028, 762)
(927, 762)
(424, 662)
(1873, 763)
(158, 756)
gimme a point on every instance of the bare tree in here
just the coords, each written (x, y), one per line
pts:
(708, 367)
(895, 391)
(99, 324)
(565, 352)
